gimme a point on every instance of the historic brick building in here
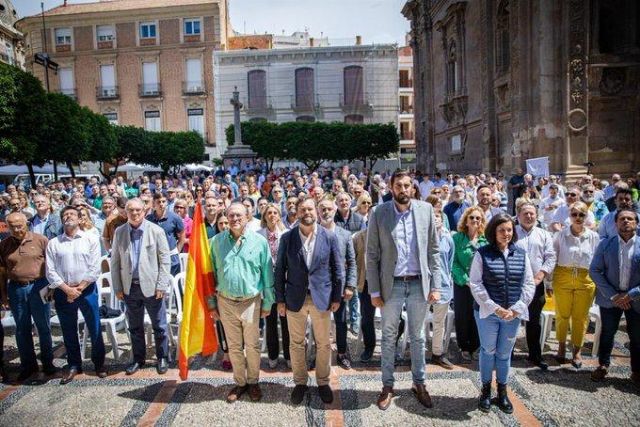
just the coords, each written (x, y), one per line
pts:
(500, 81)
(146, 63)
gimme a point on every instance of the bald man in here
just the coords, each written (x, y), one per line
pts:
(22, 256)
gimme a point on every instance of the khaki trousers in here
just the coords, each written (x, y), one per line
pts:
(321, 324)
(241, 320)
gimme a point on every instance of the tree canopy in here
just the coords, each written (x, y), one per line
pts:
(316, 142)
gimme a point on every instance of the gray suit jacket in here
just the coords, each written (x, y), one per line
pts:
(154, 265)
(382, 254)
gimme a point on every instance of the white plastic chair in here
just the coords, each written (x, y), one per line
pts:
(184, 258)
(594, 314)
(546, 321)
(428, 324)
(174, 309)
(107, 297)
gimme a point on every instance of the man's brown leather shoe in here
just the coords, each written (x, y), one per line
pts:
(422, 395)
(384, 399)
(255, 394)
(599, 374)
(70, 376)
(235, 393)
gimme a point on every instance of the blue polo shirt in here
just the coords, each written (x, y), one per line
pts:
(172, 226)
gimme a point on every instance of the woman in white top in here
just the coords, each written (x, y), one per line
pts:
(272, 229)
(86, 225)
(501, 282)
(573, 288)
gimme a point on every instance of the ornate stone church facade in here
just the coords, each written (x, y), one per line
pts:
(499, 81)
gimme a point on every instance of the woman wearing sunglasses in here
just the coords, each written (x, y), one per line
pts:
(573, 288)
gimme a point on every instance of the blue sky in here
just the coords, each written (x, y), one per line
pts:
(377, 21)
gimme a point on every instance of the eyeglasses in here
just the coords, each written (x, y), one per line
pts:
(437, 192)
(365, 203)
(578, 214)
(588, 191)
(474, 217)
(572, 195)
(179, 207)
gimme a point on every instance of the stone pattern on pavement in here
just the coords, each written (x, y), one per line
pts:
(562, 396)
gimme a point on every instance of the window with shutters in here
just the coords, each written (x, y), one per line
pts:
(112, 118)
(147, 30)
(150, 85)
(107, 88)
(193, 83)
(257, 80)
(67, 85)
(353, 86)
(63, 36)
(196, 120)
(152, 121)
(502, 39)
(104, 33)
(304, 88)
(192, 27)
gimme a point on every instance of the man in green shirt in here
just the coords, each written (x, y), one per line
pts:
(243, 270)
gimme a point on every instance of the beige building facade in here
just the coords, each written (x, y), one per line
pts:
(406, 121)
(145, 63)
(11, 46)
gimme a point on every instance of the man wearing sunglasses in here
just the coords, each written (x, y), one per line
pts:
(598, 207)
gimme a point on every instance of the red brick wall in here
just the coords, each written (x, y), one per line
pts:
(126, 34)
(83, 38)
(170, 31)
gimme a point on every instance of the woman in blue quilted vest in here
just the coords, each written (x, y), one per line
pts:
(501, 282)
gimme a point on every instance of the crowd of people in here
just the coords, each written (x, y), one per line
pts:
(289, 245)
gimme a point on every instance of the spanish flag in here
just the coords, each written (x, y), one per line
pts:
(197, 331)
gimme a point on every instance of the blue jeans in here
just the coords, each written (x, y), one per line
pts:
(410, 294)
(354, 312)
(26, 304)
(497, 338)
(87, 303)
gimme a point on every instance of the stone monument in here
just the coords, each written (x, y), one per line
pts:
(238, 154)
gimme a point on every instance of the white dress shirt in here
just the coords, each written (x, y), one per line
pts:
(575, 251)
(487, 305)
(625, 256)
(309, 244)
(71, 260)
(547, 215)
(538, 244)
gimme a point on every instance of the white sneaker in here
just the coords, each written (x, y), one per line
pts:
(273, 363)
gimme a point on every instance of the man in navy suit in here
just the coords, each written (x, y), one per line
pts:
(615, 269)
(308, 283)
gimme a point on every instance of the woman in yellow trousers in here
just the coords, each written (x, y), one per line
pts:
(573, 288)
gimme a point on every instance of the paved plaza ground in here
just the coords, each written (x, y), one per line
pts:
(562, 396)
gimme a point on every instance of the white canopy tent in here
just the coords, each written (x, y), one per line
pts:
(20, 169)
(133, 167)
(192, 167)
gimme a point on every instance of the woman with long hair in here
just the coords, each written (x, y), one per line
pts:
(272, 229)
(226, 194)
(435, 201)
(180, 209)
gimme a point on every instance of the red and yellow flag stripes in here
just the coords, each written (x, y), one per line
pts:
(197, 331)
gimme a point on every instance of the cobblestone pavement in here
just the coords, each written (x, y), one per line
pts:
(561, 396)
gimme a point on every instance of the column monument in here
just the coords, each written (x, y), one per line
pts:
(238, 154)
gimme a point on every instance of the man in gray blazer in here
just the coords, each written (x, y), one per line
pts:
(403, 268)
(140, 272)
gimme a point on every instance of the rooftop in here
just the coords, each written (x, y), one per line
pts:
(119, 5)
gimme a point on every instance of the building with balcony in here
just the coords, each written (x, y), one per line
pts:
(406, 124)
(351, 84)
(145, 63)
(10, 38)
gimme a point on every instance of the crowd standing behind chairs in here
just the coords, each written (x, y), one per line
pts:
(287, 245)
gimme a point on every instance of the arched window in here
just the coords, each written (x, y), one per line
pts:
(452, 69)
(353, 119)
(304, 88)
(503, 42)
(353, 86)
(257, 83)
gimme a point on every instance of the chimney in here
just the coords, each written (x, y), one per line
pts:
(311, 40)
(65, 3)
(358, 40)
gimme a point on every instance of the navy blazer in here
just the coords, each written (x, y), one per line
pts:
(324, 279)
(605, 272)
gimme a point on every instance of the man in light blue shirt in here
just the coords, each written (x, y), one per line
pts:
(44, 222)
(243, 269)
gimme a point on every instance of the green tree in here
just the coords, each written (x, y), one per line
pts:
(170, 149)
(22, 128)
(101, 139)
(264, 138)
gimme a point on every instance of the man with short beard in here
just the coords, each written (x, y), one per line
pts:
(290, 219)
(211, 207)
(309, 279)
(599, 208)
(403, 269)
(73, 266)
(483, 196)
(624, 200)
(327, 210)
(456, 207)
